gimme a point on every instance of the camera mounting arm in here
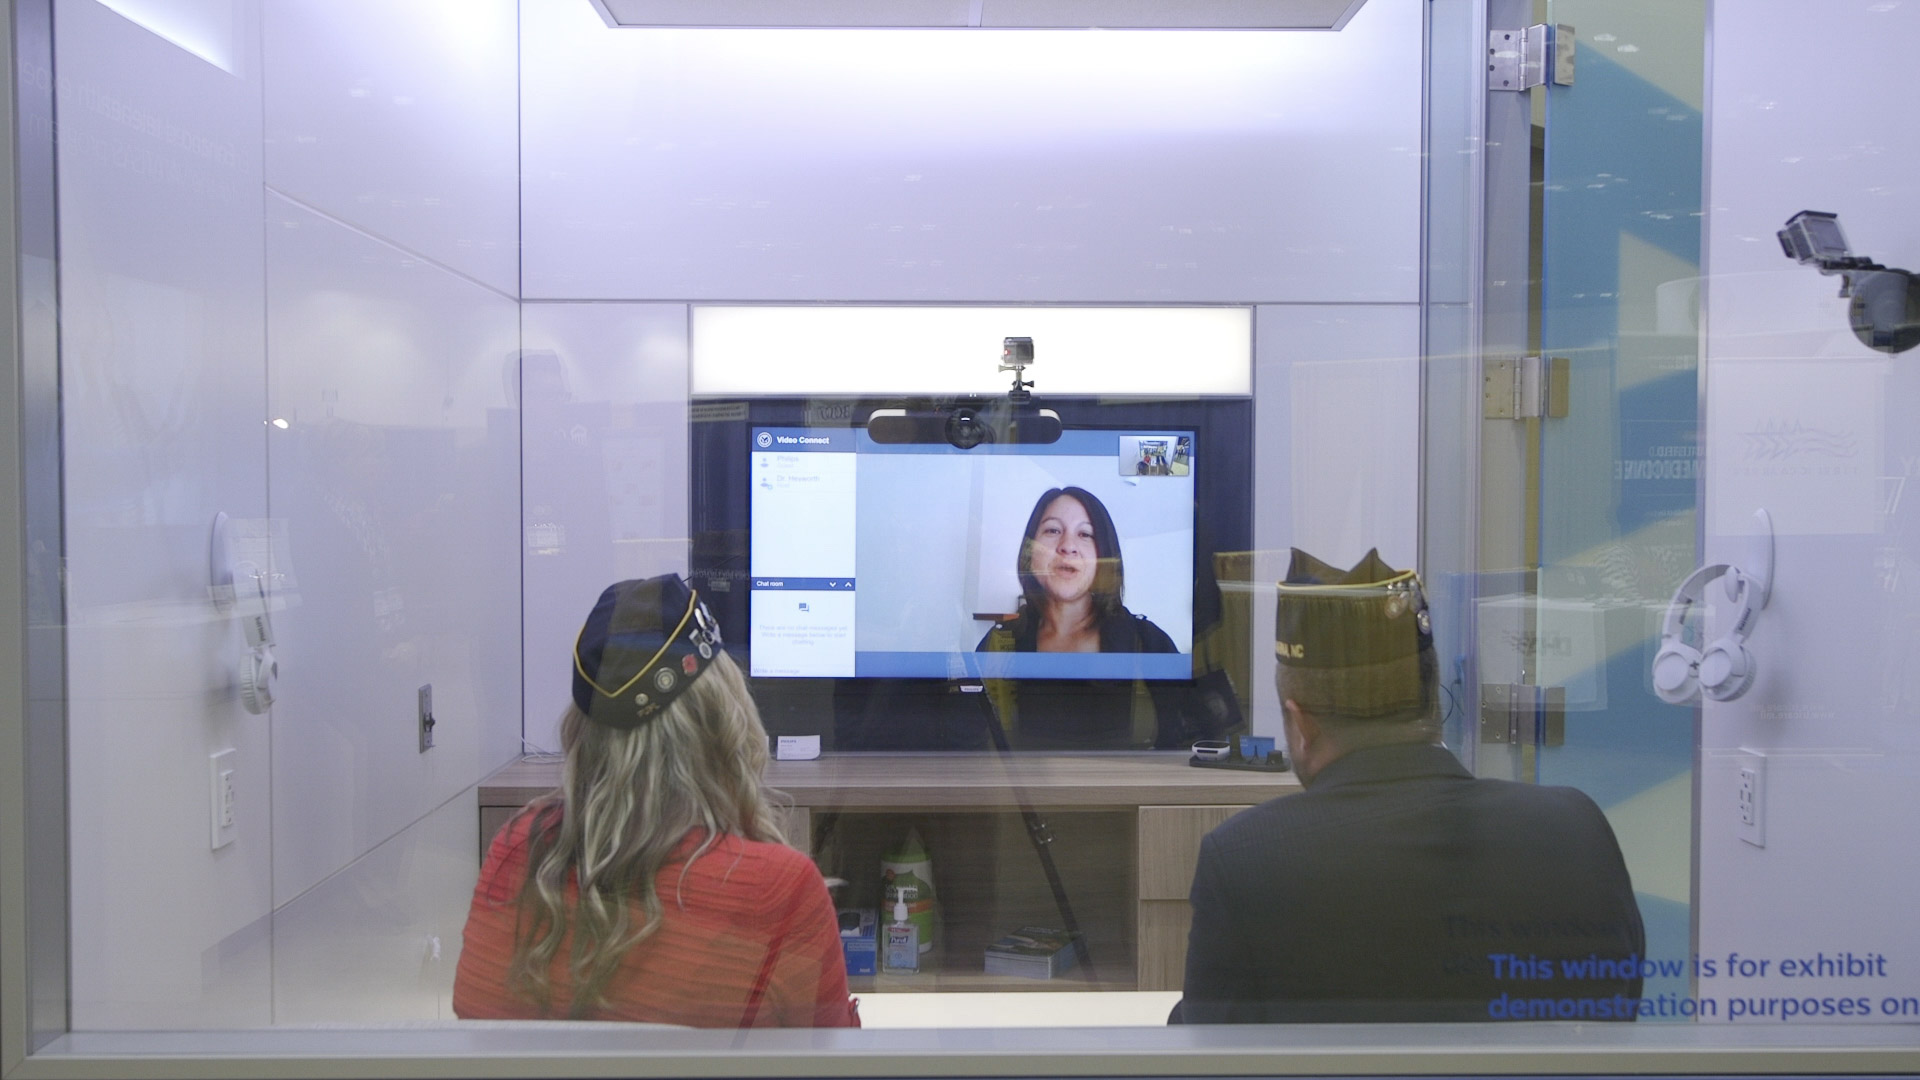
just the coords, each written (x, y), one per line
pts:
(1846, 268)
(1016, 355)
(967, 423)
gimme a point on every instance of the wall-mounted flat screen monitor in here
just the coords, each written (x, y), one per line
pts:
(848, 572)
(900, 561)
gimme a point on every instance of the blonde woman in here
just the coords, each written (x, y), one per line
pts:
(654, 885)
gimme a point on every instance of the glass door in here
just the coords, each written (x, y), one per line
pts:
(1617, 239)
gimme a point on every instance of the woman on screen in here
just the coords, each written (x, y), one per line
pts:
(654, 885)
(1071, 583)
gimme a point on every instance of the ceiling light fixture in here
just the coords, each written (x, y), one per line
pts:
(983, 14)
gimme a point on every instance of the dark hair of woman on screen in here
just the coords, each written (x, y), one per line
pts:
(654, 885)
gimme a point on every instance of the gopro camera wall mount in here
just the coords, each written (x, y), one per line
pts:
(1883, 302)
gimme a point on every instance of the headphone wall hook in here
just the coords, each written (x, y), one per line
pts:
(1759, 562)
(220, 564)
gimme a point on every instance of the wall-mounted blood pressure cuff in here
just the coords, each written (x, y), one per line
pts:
(1365, 630)
(643, 644)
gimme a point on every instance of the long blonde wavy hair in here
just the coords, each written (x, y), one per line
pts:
(626, 801)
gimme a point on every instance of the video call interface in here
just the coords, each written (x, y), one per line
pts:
(895, 561)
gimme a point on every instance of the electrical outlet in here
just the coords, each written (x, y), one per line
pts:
(220, 816)
(425, 714)
(1750, 821)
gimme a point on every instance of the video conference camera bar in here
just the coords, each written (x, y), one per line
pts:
(966, 423)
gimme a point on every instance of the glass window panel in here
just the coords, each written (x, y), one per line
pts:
(912, 522)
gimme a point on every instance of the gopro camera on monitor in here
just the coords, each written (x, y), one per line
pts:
(1016, 355)
(967, 424)
(1883, 302)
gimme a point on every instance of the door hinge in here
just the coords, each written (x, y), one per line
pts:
(1520, 387)
(1518, 714)
(1529, 57)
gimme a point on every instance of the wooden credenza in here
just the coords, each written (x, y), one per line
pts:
(1124, 830)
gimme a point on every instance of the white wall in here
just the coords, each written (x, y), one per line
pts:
(396, 477)
(605, 401)
(1818, 429)
(393, 328)
(422, 154)
(977, 165)
(162, 332)
(351, 277)
(1273, 169)
(379, 942)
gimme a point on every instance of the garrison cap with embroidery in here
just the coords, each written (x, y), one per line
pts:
(643, 644)
(1366, 628)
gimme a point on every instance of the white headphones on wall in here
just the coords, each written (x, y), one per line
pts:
(1724, 669)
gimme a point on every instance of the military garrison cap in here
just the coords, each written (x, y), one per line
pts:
(643, 645)
(1367, 626)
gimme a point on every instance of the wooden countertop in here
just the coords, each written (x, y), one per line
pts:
(967, 781)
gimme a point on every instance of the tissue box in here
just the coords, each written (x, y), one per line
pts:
(858, 941)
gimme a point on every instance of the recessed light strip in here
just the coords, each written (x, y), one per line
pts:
(985, 14)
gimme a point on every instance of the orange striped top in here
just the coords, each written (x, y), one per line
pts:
(744, 914)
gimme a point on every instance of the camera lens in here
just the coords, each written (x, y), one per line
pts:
(966, 430)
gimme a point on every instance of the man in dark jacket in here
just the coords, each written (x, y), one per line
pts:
(1397, 886)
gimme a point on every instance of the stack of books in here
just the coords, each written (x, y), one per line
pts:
(1032, 952)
